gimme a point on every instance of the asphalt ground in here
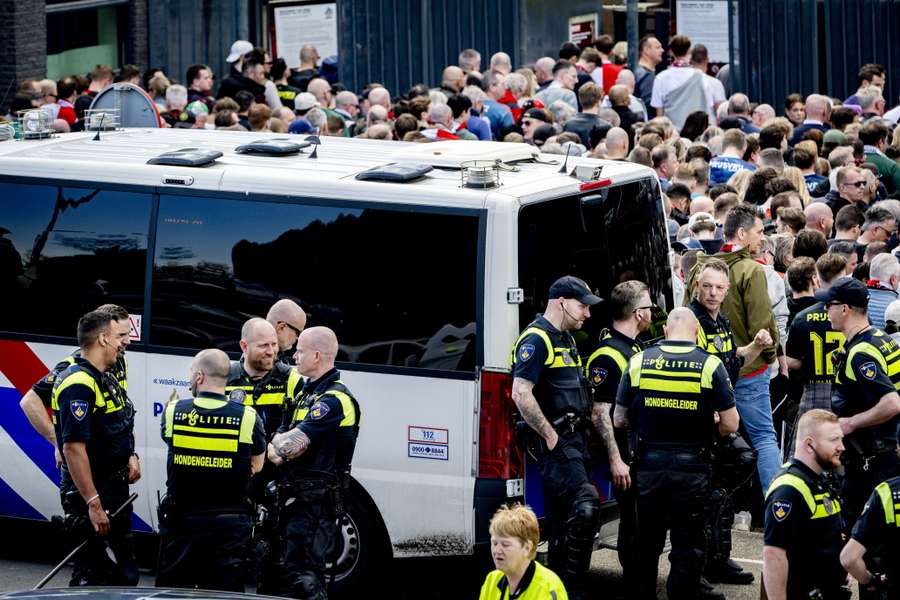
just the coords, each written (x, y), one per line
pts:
(22, 566)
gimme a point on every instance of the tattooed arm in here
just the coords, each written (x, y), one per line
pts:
(603, 425)
(288, 445)
(528, 406)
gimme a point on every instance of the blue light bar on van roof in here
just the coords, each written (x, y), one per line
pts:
(186, 157)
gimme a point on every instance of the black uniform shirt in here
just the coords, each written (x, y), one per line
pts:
(880, 533)
(716, 337)
(44, 386)
(812, 340)
(326, 412)
(811, 538)
(549, 358)
(608, 362)
(671, 391)
(89, 407)
(870, 369)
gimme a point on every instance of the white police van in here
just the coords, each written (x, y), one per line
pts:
(426, 276)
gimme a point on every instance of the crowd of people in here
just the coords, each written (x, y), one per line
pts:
(784, 237)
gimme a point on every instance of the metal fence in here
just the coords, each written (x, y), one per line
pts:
(811, 46)
(402, 42)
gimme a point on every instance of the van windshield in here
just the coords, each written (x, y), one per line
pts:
(605, 237)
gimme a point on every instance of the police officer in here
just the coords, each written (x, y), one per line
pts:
(867, 374)
(630, 305)
(314, 451)
(716, 337)
(259, 380)
(878, 529)
(94, 422)
(36, 403)
(552, 395)
(288, 319)
(802, 541)
(670, 396)
(214, 447)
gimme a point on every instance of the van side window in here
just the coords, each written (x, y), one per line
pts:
(65, 251)
(399, 287)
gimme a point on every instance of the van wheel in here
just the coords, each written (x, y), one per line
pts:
(361, 547)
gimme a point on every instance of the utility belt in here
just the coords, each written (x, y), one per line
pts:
(867, 456)
(171, 512)
(314, 486)
(565, 424)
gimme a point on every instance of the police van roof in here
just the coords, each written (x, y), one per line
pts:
(121, 157)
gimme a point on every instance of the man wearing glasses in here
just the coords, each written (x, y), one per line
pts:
(851, 189)
(879, 226)
(867, 375)
(259, 379)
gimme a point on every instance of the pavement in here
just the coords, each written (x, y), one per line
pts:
(448, 578)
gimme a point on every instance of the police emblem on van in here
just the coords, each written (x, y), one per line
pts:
(79, 409)
(526, 351)
(868, 370)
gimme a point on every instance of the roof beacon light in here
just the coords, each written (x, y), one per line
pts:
(480, 174)
(36, 124)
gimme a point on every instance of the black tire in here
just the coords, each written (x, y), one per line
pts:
(361, 549)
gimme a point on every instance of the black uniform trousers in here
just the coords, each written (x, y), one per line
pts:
(307, 515)
(671, 486)
(266, 550)
(93, 566)
(206, 550)
(572, 505)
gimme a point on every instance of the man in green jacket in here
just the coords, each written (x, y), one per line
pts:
(748, 308)
(873, 135)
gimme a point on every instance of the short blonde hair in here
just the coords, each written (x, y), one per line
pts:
(518, 522)
(811, 420)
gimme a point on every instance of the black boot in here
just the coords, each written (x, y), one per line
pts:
(728, 572)
(708, 592)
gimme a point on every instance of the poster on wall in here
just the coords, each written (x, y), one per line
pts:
(705, 22)
(583, 29)
(298, 25)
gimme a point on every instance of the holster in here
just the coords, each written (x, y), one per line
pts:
(167, 512)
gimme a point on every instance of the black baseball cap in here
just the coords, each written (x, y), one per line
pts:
(845, 290)
(574, 288)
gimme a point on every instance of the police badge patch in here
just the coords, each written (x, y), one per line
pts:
(237, 396)
(79, 409)
(781, 509)
(598, 375)
(526, 351)
(868, 370)
(318, 411)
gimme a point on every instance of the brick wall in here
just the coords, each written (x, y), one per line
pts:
(23, 42)
(137, 45)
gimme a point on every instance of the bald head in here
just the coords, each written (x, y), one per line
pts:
(819, 217)
(682, 325)
(453, 78)
(316, 351)
(818, 107)
(320, 88)
(626, 78)
(702, 204)
(543, 69)
(501, 63)
(380, 97)
(255, 329)
(288, 319)
(616, 143)
(214, 366)
(762, 114)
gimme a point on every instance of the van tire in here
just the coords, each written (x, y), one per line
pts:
(362, 546)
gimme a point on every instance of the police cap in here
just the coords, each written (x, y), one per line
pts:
(570, 286)
(845, 290)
